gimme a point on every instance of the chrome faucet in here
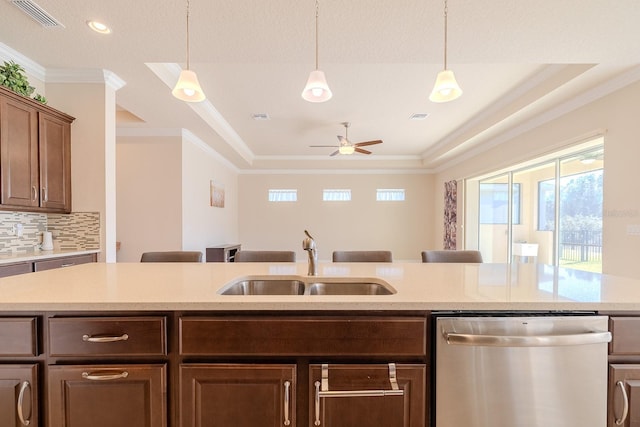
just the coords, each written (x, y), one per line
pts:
(309, 245)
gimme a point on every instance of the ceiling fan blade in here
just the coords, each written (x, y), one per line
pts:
(334, 153)
(343, 140)
(360, 150)
(365, 143)
(315, 146)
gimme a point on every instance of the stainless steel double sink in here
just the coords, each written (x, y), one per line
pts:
(265, 285)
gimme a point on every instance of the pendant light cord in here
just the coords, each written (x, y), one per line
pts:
(188, 35)
(317, 7)
(446, 10)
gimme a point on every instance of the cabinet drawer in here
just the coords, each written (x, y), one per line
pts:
(626, 335)
(107, 336)
(13, 269)
(18, 336)
(304, 336)
(63, 262)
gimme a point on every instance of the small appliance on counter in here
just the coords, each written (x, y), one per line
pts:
(47, 241)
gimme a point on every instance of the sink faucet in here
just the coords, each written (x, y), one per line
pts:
(309, 245)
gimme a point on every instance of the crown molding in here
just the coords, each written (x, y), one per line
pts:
(30, 66)
(94, 75)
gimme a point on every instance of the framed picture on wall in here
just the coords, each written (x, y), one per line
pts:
(216, 194)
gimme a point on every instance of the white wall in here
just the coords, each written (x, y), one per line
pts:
(405, 228)
(163, 196)
(202, 224)
(617, 114)
(92, 147)
(149, 195)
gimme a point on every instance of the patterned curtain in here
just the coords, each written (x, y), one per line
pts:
(450, 213)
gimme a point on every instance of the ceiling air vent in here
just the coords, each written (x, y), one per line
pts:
(37, 13)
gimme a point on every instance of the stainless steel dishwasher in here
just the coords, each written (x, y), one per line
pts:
(521, 371)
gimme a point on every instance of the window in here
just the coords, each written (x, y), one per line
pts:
(390, 195)
(546, 204)
(283, 195)
(493, 203)
(336, 195)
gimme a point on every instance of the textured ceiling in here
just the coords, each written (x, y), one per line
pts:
(515, 60)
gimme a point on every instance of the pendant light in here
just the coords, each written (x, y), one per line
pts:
(317, 89)
(187, 88)
(446, 88)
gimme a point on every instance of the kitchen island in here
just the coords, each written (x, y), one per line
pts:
(146, 344)
(195, 286)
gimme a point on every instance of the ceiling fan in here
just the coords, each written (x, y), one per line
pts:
(347, 147)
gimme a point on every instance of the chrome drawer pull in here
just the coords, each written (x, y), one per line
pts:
(35, 192)
(317, 403)
(322, 390)
(45, 194)
(287, 385)
(23, 389)
(71, 264)
(105, 338)
(104, 376)
(325, 392)
(625, 403)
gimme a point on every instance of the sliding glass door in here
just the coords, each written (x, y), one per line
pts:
(549, 212)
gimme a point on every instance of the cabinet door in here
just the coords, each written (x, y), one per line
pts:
(19, 395)
(107, 396)
(238, 395)
(352, 409)
(18, 153)
(63, 262)
(624, 395)
(13, 269)
(55, 163)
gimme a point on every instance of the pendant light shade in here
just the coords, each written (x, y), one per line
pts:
(446, 87)
(317, 89)
(188, 88)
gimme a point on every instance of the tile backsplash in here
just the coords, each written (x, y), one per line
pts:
(74, 231)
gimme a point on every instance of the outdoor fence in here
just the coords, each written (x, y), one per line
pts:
(581, 245)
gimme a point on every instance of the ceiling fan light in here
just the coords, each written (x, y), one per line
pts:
(317, 89)
(188, 88)
(346, 149)
(446, 87)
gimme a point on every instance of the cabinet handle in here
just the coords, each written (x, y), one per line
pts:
(45, 194)
(105, 338)
(70, 264)
(35, 192)
(23, 389)
(325, 392)
(287, 386)
(317, 403)
(625, 403)
(102, 376)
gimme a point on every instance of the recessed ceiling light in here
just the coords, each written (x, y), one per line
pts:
(418, 116)
(260, 116)
(99, 27)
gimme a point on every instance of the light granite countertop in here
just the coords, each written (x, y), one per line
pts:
(12, 258)
(195, 286)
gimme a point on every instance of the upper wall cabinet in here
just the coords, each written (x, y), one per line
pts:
(35, 155)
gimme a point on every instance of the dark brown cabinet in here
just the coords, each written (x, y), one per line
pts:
(35, 155)
(19, 395)
(222, 253)
(376, 364)
(240, 395)
(17, 268)
(107, 395)
(624, 395)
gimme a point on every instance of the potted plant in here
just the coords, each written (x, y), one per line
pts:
(12, 77)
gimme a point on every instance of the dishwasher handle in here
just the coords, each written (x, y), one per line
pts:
(526, 340)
